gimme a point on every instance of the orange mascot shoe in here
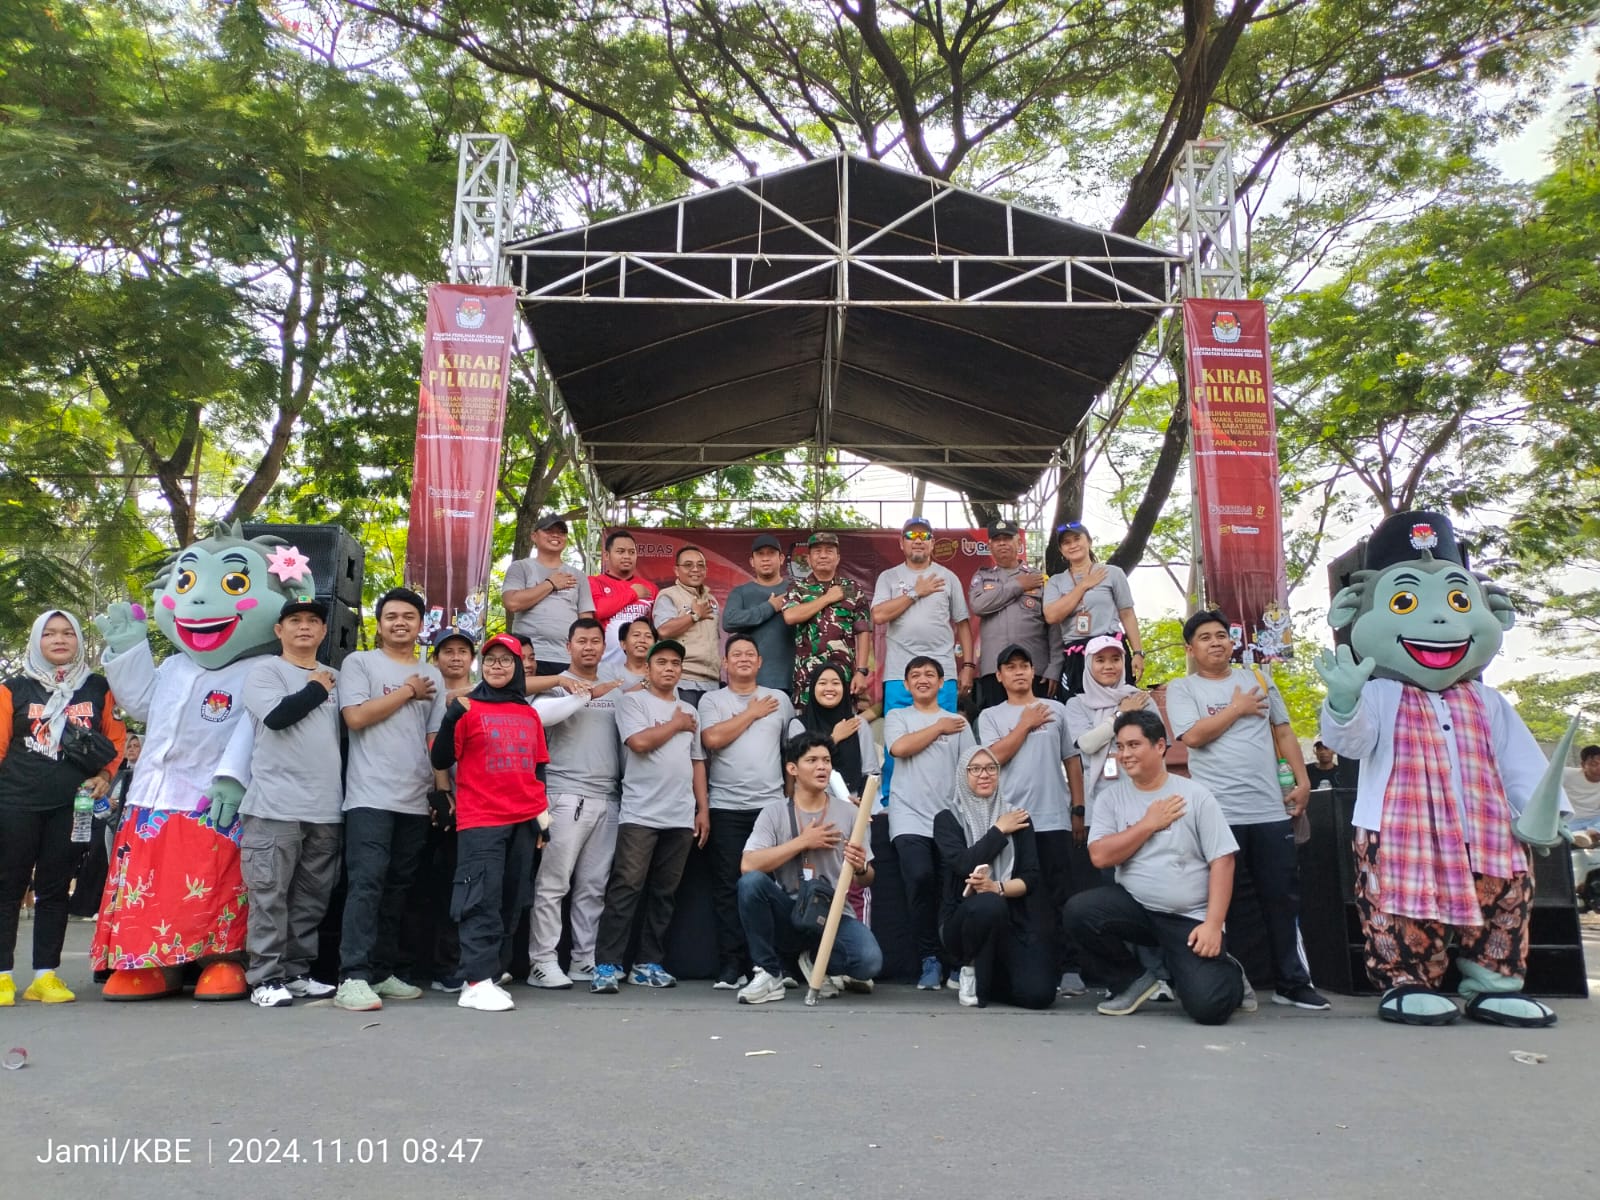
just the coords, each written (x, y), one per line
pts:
(142, 983)
(221, 981)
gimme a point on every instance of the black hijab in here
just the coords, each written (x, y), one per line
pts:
(819, 719)
(514, 693)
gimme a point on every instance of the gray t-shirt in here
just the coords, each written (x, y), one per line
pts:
(657, 788)
(548, 621)
(585, 752)
(747, 773)
(618, 670)
(294, 772)
(924, 628)
(389, 767)
(1034, 778)
(1097, 611)
(1241, 766)
(923, 784)
(1171, 872)
(749, 611)
(772, 829)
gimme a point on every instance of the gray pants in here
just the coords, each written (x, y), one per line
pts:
(576, 862)
(290, 869)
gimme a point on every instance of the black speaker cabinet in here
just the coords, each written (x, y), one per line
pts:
(338, 562)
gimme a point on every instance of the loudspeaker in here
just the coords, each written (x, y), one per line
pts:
(338, 561)
(338, 566)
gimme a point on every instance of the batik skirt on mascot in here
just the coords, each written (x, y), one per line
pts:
(174, 895)
(1453, 788)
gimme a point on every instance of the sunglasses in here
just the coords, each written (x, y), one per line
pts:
(1072, 527)
(918, 535)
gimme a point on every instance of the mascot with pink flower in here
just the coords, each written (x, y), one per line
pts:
(174, 896)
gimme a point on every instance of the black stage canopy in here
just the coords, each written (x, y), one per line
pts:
(842, 303)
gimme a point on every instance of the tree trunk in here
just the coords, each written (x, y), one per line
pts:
(1156, 492)
(1069, 496)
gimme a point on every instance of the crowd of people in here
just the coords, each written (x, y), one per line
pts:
(615, 729)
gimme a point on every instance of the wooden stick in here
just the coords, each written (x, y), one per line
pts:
(841, 892)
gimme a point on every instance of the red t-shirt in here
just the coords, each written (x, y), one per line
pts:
(612, 595)
(498, 749)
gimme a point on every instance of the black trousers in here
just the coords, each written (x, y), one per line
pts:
(730, 830)
(90, 885)
(648, 864)
(1105, 920)
(427, 934)
(1267, 851)
(919, 875)
(382, 854)
(1011, 958)
(1067, 871)
(494, 870)
(36, 847)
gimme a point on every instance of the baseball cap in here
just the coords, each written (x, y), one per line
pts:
(1014, 650)
(550, 521)
(917, 522)
(1003, 528)
(1104, 642)
(453, 631)
(823, 537)
(1067, 527)
(506, 642)
(766, 541)
(664, 644)
(317, 608)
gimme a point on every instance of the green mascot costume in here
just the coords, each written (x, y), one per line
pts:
(1453, 787)
(173, 894)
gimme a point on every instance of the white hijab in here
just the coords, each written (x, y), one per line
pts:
(60, 683)
(1102, 703)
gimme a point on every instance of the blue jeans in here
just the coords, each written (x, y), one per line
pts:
(765, 910)
(897, 695)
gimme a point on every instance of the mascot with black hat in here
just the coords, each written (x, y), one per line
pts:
(1453, 787)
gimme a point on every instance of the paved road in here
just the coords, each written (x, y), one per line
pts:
(897, 1094)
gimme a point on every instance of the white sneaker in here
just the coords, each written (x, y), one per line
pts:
(830, 984)
(1249, 1004)
(730, 985)
(1164, 992)
(271, 994)
(581, 972)
(1072, 984)
(303, 986)
(967, 988)
(548, 975)
(486, 996)
(761, 989)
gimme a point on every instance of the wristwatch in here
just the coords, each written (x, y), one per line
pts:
(1078, 810)
(863, 670)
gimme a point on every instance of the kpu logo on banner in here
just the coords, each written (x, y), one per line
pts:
(471, 313)
(1225, 327)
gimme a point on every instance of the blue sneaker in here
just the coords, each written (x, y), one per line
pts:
(606, 978)
(932, 978)
(651, 975)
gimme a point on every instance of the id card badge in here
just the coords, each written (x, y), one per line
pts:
(1109, 771)
(1080, 623)
(806, 873)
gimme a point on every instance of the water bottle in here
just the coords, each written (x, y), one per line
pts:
(1285, 779)
(83, 814)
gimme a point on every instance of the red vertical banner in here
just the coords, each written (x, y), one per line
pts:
(1239, 515)
(461, 410)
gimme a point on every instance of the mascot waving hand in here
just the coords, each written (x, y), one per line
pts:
(1447, 766)
(174, 895)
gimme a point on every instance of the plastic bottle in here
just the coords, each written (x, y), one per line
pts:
(1285, 778)
(83, 814)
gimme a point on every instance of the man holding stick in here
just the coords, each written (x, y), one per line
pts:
(794, 842)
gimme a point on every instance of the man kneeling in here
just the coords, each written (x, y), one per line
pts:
(1173, 853)
(794, 841)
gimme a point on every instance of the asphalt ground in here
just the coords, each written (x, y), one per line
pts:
(684, 1093)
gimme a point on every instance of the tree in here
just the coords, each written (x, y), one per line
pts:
(1007, 95)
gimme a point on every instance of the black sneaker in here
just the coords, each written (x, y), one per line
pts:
(1301, 995)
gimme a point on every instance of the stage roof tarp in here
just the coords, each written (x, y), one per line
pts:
(842, 303)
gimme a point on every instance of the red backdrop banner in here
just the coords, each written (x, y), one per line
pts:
(1236, 469)
(863, 554)
(461, 409)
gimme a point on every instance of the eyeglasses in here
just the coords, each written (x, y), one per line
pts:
(983, 769)
(918, 535)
